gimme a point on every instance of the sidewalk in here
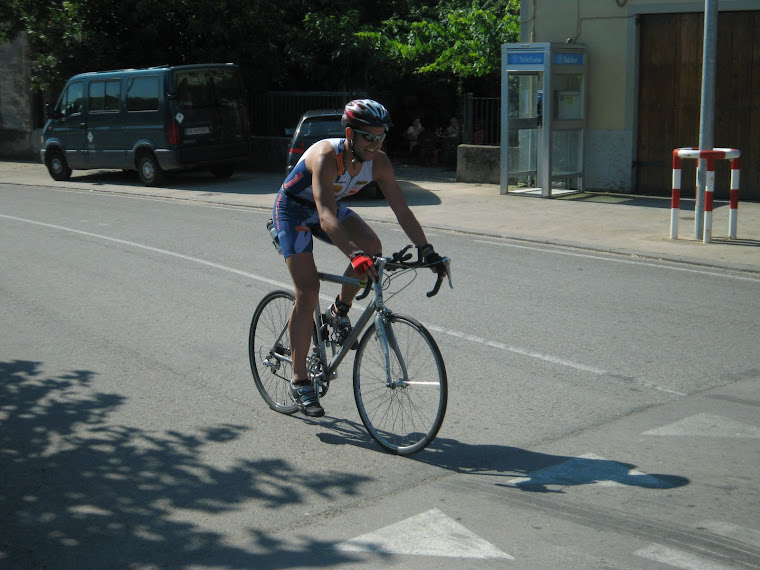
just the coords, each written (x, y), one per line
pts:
(620, 223)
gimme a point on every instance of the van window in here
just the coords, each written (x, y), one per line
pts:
(207, 89)
(104, 96)
(142, 94)
(72, 99)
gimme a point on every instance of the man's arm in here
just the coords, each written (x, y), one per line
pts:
(324, 169)
(394, 195)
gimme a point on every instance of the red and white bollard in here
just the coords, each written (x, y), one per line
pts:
(734, 203)
(710, 156)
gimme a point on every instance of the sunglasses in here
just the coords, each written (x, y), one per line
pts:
(370, 137)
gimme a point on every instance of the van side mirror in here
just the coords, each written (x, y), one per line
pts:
(52, 112)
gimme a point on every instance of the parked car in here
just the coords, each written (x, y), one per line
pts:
(313, 126)
(149, 120)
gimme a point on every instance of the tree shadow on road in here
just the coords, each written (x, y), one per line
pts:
(79, 491)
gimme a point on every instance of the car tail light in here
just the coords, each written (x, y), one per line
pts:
(300, 148)
(174, 132)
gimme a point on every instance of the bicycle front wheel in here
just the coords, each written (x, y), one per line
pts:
(269, 350)
(403, 412)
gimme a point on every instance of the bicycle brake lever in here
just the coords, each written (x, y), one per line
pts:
(439, 280)
(367, 288)
(437, 286)
(399, 256)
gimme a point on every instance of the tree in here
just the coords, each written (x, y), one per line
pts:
(280, 44)
(463, 42)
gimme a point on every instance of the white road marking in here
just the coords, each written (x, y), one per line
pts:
(152, 249)
(714, 273)
(431, 533)
(279, 284)
(518, 350)
(707, 425)
(679, 558)
(589, 469)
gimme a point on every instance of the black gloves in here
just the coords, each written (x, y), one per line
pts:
(428, 256)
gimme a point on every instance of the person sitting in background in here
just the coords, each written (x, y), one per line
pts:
(453, 129)
(413, 134)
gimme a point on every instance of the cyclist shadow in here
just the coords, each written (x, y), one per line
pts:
(343, 432)
(541, 472)
(521, 469)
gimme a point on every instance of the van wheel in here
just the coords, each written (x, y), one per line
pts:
(223, 170)
(57, 165)
(149, 171)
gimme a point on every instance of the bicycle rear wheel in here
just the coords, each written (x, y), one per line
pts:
(269, 350)
(405, 416)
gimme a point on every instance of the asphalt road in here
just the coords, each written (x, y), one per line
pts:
(602, 411)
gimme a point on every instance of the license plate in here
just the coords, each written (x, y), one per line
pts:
(198, 131)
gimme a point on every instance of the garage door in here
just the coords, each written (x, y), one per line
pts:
(670, 83)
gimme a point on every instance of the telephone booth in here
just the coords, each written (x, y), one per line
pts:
(543, 115)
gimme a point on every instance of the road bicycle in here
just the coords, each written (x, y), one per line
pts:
(399, 376)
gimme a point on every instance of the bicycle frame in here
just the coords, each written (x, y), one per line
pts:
(377, 307)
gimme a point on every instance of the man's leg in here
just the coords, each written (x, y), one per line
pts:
(306, 283)
(366, 238)
(303, 271)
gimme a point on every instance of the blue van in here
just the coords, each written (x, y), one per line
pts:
(150, 120)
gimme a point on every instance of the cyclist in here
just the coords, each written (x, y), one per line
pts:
(308, 205)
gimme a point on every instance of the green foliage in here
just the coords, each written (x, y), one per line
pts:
(281, 44)
(463, 42)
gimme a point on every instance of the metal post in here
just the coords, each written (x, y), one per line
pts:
(504, 156)
(545, 129)
(707, 109)
(468, 127)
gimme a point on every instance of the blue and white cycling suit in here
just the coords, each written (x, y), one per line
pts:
(295, 214)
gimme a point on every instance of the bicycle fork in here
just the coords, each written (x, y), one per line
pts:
(388, 342)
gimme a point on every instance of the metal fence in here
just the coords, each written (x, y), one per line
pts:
(273, 112)
(482, 120)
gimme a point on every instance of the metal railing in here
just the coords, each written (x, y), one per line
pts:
(273, 112)
(482, 120)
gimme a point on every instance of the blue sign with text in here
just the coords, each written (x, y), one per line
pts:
(568, 59)
(525, 59)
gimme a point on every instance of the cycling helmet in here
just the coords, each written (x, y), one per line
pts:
(366, 113)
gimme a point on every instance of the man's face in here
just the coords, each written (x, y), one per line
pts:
(366, 149)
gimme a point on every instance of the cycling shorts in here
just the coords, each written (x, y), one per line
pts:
(297, 224)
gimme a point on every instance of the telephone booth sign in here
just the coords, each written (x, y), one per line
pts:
(543, 117)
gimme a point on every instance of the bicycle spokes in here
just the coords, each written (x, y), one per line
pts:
(401, 391)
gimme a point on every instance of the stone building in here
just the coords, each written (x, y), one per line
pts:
(19, 133)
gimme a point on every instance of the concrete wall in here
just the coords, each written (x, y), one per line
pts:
(16, 118)
(476, 163)
(609, 32)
